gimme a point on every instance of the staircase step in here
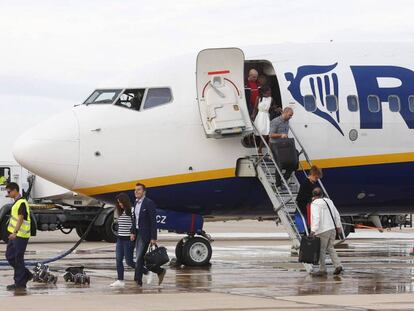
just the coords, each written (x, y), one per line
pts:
(283, 202)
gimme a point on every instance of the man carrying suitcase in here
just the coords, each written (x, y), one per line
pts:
(283, 149)
(325, 223)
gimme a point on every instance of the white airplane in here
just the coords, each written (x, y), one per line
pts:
(179, 128)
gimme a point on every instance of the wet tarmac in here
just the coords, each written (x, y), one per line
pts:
(243, 267)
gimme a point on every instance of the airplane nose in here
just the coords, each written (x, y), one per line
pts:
(51, 149)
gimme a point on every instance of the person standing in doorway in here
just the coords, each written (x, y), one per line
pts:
(144, 232)
(252, 88)
(325, 223)
(261, 116)
(19, 234)
(124, 245)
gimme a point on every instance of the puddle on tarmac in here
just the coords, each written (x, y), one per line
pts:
(266, 269)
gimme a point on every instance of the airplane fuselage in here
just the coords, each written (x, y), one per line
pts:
(366, 155)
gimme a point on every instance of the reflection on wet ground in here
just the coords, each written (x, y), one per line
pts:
(258, 268)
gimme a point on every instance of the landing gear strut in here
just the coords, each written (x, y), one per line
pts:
(194, 251)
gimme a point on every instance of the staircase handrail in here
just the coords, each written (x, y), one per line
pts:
(308, 160)
(279, 171)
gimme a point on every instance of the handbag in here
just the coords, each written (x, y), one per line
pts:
(338, 236)
(156, 256)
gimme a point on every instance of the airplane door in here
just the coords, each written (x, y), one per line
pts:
(220, 92)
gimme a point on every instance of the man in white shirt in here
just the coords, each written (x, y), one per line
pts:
(138, 204)
(325, 222)
(144, 232)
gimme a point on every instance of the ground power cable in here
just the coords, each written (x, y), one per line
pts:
(64, 254)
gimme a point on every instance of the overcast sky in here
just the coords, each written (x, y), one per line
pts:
(53, 53)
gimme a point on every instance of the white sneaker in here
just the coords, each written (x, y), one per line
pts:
(149, 277)
(118, 283)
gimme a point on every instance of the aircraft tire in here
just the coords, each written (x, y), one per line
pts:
(197, 252)
(108, 230)
(179, 251)
(93, 236)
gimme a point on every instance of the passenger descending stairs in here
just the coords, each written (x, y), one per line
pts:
(284, 201)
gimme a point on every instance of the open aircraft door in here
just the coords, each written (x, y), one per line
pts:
(220, 92)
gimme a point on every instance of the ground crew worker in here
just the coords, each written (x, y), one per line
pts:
(19, 234)
(3, 180)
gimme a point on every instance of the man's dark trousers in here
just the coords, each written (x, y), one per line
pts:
(15, 256)
(140, 269)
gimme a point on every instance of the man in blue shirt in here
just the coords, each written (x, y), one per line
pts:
(279, 129)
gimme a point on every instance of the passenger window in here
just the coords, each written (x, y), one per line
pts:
(394, 102)
(131, 98)
(157, 96)
(331, 103)
(352, 103)
(373, 103)
(411, 103)
(310, 103)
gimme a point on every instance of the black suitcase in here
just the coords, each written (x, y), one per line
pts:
(285, 153)
(156, 257)
(309, 251)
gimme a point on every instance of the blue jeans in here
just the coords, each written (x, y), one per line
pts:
(15, 256)
(124, 249)
(140, 269)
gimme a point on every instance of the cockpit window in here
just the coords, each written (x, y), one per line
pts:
(102, 97)
(135, 99)
(131, 98)
(157, 96)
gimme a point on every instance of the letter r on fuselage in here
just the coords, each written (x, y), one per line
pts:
(366, 80)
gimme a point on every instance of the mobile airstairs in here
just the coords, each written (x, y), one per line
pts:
(283, 198)
(224, 113)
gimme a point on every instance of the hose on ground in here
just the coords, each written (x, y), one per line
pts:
(64, 254)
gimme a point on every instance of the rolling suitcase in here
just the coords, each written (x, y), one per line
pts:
(309, 251)
(285, 152)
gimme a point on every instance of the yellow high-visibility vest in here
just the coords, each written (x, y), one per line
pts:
(24, 231)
